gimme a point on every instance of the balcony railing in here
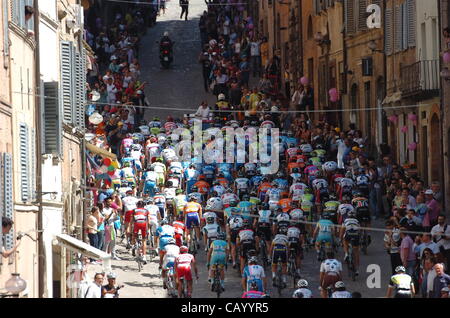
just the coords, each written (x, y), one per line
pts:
(420, 78)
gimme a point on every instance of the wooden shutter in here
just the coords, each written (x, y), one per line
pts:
(398, 29)
(362, 15)
(7, 195)
(80, 79)
(405, 25)
(5, 28)
(412, 20)
(21, 13)
(24, 160)
(33, 164)
(30, 24)
(67, 80)
(15, 11)
(388, 32)
(350, 23)
(52, 125)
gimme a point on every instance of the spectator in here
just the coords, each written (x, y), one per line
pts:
(441, 281)
(437, 193)
(392, 244)
(94, 290)
(7, 224)
(423, 242)
(428, 276)
(203, 111)
(431, 217)
(92, 226)
(441, 235)
(407, 252)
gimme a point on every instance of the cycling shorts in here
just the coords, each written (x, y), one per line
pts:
(265, 232)
(233, 236)
(327, 238)
(352, 238)
(247, 247)
(140, 227)
(294, 243)
(138, 165)
(192, 219)
(168, 262)
(220, 260)
(179, 239)
(184, 271)
(279, 254)
(162, 209)
(330, 279)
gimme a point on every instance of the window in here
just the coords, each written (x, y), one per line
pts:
(388, 34)
(52, 123)
(367, 66)
(67, 80)
(24, 160)
(350, 23)
(18, 13)
(6, 195)
(310, 28)
(5, 28)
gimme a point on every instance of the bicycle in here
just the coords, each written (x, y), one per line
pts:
(292, 266)
(351, 263)
(170, 283)
(324, 248)
(364, 241)
(216, 285)
(193, 242)
(263, 252)
(278, 281)
(184, 293)
(138, 256)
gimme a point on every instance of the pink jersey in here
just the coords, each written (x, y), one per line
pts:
(127, 142)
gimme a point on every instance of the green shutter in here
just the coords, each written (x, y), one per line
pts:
(24, 160)
(411, 9)
(67, 81)
(52, 125)
(8, 196)
(5, 28)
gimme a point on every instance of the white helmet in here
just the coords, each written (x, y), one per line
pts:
(221, 97)
(302, 283)
(400, 269)
(166, 33)
(296, 214)
(330, 166)
(339, 284)
(283, 217)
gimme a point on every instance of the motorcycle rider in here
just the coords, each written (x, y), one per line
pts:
(166, 43)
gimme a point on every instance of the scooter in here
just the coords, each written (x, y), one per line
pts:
(165, 55)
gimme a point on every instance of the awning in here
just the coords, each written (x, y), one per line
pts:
(397, 96)
(78, 246)
(100, 151)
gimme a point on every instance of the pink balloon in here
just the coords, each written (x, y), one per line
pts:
(404, 129)
(412, 117)
(333, 91)
(304, 81)
(412, 146)
(446, 57)
(393, 119)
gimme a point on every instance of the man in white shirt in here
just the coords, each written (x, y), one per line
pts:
(441, 235)
(203, 111)
(94, 290)
(112, 91)
(255, 55)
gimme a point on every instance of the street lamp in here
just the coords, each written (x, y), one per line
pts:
(14, 286)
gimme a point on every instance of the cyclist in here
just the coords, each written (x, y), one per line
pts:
(323, 232)
(180, 229)
(254, 273)
(273, 196)
(180, 201)
(246, 208)
(302, 291)
(190, 175)
(241, 184)
(183, 269)
(153, 215)
(129, 204)
(330, 273)
(229, 197)
(350, 235)
(401, 283)
(160, 201)
(218, 188)
(218, 256)
(263, 227)
(171, 252)
(279, 251)
(203, 187)
(247, 242)
(148, 184)
(163, 234)
(139, 223)
(210, 231)
(127, 174)
(340, 291)
(160, 169)
(295, 245)
(192, 215)
(234, 224)
(282, 219)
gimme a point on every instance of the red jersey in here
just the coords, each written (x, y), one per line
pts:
(140, 215)
(203, 186)
(179, 227)
(184, 259)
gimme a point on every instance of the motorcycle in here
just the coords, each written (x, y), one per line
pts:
(165, 54)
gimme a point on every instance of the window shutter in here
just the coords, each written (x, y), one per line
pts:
(388, 32)
(398, 29)
(405, 26)
(67, 80)
(33, 164)
(362, 15)
(52, 125)
(15, 11)
(80, 75)
(5, 28)
(21, 8)
(24, 162)
(8, 196)
(30, 23)
(411, 8)
(350, 25)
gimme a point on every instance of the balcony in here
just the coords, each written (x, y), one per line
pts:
(421, 79)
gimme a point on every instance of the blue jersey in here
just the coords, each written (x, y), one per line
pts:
(254, 273)
(209, 171)
(165, 231)
(325, 227)
(246, 209)
(190, 174)
(232, 211)
(283, 184)
(219, 248)
(256, 180)
(264, 216)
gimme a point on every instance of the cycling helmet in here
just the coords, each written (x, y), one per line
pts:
(210, 220)
(155, 118)
(111, 275)
(192, 198)
(164, 222)
(253, 260)
(233, 203)
(295, 170)
(400, 269)
(171, 241)
(221, 236)
(153, 140)
(302, 283)
(265, 206)
(351, 213)
(128, 191)
(184, 249)
(194, 189)
(332, 196)
(246, 223)
(245, 197)
(339, 284)
(280, 174)
(221, 97)
(178, 191)
(283, 217)
(282, 230)
(326, 215)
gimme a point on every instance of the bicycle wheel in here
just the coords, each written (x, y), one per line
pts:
(364, 243)
(263, 255)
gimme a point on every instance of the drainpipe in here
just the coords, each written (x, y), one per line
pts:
(38, 110)
(441, 112)
(344, 46)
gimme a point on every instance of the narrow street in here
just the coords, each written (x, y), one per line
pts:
(181, 87)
